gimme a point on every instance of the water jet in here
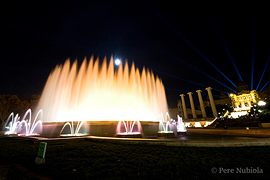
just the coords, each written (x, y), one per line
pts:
(107, 102)
(25, 127)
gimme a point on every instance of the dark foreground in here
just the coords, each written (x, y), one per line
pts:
(84, 159)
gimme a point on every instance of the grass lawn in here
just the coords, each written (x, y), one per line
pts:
(84, 159)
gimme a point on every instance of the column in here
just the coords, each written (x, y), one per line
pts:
(184, 106)
(249, 104)
(192, 105)
(236, 105)
(212, 101)
(201, 104)
(243, 105)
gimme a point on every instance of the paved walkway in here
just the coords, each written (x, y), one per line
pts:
(226, 142)
(194, 138)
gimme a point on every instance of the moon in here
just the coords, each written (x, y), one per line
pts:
(117, 62)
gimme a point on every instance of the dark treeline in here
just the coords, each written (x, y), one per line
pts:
(13, 103)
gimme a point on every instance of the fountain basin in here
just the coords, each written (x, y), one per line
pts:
(129, 135)
(99, 128)
(166, 134)
(182, 133)
(52, 130)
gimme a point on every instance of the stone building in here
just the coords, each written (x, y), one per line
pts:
(243, 100)
(192, 113)
(179, 111)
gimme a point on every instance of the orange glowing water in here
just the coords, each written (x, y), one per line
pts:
(100, 93)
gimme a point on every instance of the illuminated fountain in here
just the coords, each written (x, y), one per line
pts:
(24, 127)
(165, 126)
(181, 128)
(73, 129)
(106, 100)
(11, 127)
(127, 129)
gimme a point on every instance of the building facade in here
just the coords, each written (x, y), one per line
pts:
(243, 100)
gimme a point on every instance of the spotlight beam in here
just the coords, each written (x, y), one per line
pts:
(263, 72)
(186, 80)
(223, 41)
(264, 86)
(193, 67)
(252, 49)
(229, 54)
(252, 67)
(189, 43)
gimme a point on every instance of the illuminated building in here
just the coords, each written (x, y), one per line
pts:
(232, 106)
(243, 100)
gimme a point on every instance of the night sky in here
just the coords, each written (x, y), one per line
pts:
(188, 44)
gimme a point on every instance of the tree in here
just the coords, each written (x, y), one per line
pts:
(12, 103)
(222, 109)
(33, 101)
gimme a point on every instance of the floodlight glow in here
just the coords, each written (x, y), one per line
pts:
(187, 124)
(236, 115)
(198, 124)
(261, 103)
